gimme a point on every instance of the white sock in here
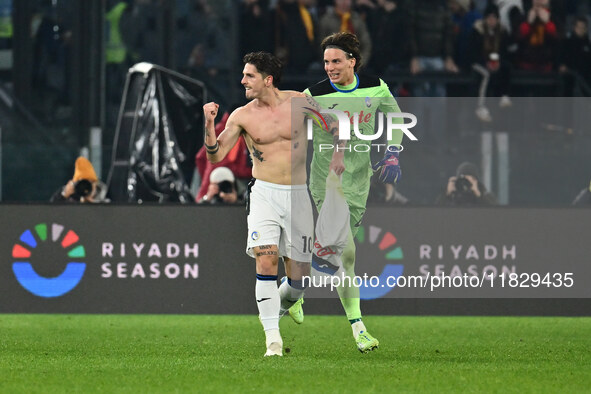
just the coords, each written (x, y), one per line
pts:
(273, 336)
(358, 327)
(289, 295)
(267, 298)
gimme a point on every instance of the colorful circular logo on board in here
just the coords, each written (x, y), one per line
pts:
(73, 253)
(387, 243)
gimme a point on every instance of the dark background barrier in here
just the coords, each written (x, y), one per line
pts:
(181, 259)
(61, 91)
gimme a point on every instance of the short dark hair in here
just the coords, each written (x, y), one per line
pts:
(491, 9)
(582, 19)
(266, 64)
(347, 42)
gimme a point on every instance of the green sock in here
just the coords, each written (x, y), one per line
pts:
(352, 307)
(350, 295)
(350, 299)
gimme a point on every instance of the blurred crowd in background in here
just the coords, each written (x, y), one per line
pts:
(397, 36)
(421, 48)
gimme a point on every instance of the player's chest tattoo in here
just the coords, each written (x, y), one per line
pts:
(257, 154)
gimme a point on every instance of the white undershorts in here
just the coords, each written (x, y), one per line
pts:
(281, 215)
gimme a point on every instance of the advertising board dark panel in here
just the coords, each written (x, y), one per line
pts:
(134, 259)
(191, 259)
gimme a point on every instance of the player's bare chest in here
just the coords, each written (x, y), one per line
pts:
(269, 126)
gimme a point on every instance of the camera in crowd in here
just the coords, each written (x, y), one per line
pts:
(463, 193)
(82, 189)
(463, 185)
(465, 189)
(224, 187)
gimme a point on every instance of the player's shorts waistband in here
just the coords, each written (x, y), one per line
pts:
(278, 186)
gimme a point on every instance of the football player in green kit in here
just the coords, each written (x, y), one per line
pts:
(347, 91)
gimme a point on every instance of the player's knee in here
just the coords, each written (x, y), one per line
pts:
(348, 257)
(305, 271)
(267, 265)
(297, 269)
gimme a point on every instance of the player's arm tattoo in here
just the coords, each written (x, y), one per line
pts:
(257, 154)
(333, 128)
(331, 122)
(211, 149)
(313, 103)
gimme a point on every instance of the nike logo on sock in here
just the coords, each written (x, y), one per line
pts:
(263, 299)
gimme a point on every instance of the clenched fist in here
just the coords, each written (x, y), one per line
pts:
(210, 111)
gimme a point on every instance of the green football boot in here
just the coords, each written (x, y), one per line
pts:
(366, 342)
(297, 312)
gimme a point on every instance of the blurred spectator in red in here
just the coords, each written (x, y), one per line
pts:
(296, 34)
(342, 17)
(537, 38)
(237, 160)
(559, 10)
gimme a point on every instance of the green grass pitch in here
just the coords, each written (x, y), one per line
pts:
(203, 353)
